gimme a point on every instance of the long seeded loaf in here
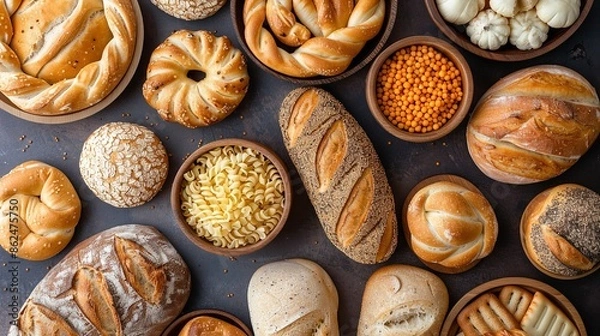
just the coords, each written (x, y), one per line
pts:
(342, 174)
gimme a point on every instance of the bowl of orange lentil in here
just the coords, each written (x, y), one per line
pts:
(420, 88)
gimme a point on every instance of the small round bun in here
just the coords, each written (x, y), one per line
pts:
(124, 164)
(560, 231)
(39, 211)
(451, 226)
(189, 9)
(179, 98)
(208, 325)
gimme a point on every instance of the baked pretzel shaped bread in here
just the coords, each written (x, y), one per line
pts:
(339, 31)
(39, 209)
(58, 57)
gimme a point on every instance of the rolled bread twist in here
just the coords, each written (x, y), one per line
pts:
(451, 225)
(326, 55)
(39, 211)
(76, 26)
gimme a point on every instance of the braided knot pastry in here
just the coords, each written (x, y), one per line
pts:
(58, 57)
(182, 99)
(39, 209)
(450, 225)
(328, 34)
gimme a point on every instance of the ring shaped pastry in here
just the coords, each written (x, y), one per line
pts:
(182, 99)
(339, 32)
(61, 57)
(39, 211)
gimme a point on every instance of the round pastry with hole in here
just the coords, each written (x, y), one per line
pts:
(171, 90)
(124, 164)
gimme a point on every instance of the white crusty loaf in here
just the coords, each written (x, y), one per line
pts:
(403, 300)
(40, 209)
(292, 297)
(451, 226)
(561, 230)
(125, 281)
(342, 174)
(58, 57)
(533, 124)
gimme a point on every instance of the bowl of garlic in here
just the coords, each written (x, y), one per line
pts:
(231, 197)
(508, 30)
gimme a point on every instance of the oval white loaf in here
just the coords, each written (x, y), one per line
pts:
(342, 174)
(125, 281)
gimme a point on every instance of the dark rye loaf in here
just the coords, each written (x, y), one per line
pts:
(342, 174)
(125, 281)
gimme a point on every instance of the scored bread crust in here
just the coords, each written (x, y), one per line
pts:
(127, 280)
(342, 174)
(533, 124)
(93, 82)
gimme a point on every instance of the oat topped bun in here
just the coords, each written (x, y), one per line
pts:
(124, 164)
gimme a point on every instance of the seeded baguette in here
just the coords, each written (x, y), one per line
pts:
(125, 281)
(342, 174)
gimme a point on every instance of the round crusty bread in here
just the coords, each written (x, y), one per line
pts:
(40, 210)
(58, 57)
(208, 325)
(403, 300)
(533, 124)
(450, 225)
(561, 230)
(191, 103)
(292, 297)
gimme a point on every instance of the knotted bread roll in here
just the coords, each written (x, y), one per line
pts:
(451, 227)
(339, 33)
(61, 57)
(533, 124)
(40, 209)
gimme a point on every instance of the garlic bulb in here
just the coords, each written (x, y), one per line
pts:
(510, 8)
(489, 30)
(527, 31)
(558, 13)
(459, 11)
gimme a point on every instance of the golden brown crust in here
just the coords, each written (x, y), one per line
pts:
(486, 314)
(451, 225)
(349, 190)
(204, 325)
(516, 299)
(533, 125)
(191, 103)
(51, 73)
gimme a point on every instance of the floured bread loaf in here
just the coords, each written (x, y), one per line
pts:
(403, 300)
(292, 297)
(342, 174)
(127, 280)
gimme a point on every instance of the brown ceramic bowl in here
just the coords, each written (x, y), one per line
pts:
(453, 55)
(207, 245)
(366, 55)
(507, 53)
(451, 328)
(174, 328)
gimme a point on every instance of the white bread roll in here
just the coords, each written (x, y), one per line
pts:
(292, 297)
(403, 300)
(533, 124)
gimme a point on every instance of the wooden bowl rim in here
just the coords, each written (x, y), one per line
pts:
(203, 243)
(428, 181)
(467, 82)
(359, 62)
(522, 236)
(560, 35)
(8, 106)
(175, 327)
(450, 327)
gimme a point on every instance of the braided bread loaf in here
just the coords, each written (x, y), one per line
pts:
(451, 227)
(61, 57)
(339, 33)
(40, 209)
(179, 98)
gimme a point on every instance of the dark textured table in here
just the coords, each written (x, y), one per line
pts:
(220, 282)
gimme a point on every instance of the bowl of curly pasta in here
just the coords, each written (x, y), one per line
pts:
(232, 197)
